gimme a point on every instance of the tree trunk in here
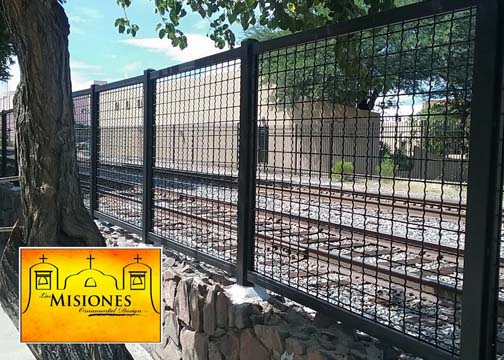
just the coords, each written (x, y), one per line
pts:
(52, 206)
(53, 211)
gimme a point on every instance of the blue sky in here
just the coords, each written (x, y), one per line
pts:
(99, 52)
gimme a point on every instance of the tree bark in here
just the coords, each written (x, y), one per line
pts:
(53, 211)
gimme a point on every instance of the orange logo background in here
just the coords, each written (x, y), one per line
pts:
(90, 295)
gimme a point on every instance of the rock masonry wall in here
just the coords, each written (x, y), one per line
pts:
(202, 320)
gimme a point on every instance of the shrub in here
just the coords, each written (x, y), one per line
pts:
(402, 161)
(387, 168)
(342, 170)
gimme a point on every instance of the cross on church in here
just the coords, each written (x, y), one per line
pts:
(137, 258)
(43, 258)
(90, 258)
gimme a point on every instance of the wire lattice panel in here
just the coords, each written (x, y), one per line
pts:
(82, 118)
(362, 171)
(196, 158)
(120, 153)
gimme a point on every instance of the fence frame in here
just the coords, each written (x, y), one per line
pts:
(247, 162)
(243, 270)
(4, 143)
(149, 91)
(483, 215)
(95, 104)
(484, 208)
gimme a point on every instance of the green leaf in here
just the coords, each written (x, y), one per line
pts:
(121, 29)
(232, 17)
(183, 42)
(245, 21)
(173, 17)
(162, 33)
(178, 7)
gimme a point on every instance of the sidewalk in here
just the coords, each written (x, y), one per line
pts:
(11, 349)
(9, 341)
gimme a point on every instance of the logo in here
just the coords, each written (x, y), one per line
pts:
(90, 295)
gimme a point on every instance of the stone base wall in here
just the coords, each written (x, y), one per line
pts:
(202, 321)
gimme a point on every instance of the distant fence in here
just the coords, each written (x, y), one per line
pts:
(8, 159)
(273, 162)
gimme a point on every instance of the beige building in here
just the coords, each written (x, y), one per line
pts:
(197, 129)
(7, 101)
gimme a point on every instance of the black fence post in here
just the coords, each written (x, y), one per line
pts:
(247, 161)
(484, 192)
(4, 143)
(95, 103)
(15, 135)
(148, 154)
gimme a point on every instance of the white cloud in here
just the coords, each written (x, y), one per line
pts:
(132, 69)
(80, 81)
(76, 30)
(198, 46)
(202, 24)
(85, 15)
(80, 65)
(76, 19)
(82, 76)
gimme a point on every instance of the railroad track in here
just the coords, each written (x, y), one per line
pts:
(395, 204)
(410, 206)
(359, 254)
(319, 257)
(361, 249)
(320, 238)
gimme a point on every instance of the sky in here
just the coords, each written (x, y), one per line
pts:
(99, 52)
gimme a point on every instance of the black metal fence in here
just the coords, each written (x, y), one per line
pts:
(8, 159)
(355, 169)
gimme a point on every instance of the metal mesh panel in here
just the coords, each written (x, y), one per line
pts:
(82, 117)
(196, 158)
(361, 187)
(120, 153)
(500, 319)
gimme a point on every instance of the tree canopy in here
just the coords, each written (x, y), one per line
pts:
(291, 15)
(379, 61)
(429, 59)
(444, 131)
(6, 52)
